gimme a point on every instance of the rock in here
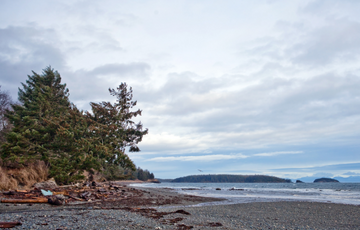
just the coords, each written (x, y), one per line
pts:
(153, 181)
(218, 189)
(56, 200)
(46, 185)
(299, 181)
(325, 180)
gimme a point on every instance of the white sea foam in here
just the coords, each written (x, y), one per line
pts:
(345, 193)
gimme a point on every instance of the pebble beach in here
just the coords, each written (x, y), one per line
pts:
(179, 212)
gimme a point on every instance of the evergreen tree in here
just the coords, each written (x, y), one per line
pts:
(115, 128)
(47, 127)
(5, 101)
(152, 176)
(42, 99)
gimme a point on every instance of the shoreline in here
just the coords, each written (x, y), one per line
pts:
(161, 208)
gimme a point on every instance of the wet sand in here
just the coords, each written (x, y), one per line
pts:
(166, 209)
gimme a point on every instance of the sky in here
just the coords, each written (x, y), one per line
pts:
(226, 87)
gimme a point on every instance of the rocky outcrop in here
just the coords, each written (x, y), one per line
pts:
(299, 181)
(153, 181)
(325, 180)
(46, 185)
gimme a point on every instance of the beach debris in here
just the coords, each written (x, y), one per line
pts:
(56, 200)
(153, 213)
(66, 194)
(9, 193)
(46, 193)
(85, 195)
(38, 200)
(184, 227)
(182, 212)
(213, 224)
(9, 224)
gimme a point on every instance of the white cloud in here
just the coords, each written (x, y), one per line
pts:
(277, 153)
(215, 157)
(209, 77)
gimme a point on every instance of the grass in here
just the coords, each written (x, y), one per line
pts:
(23, 178)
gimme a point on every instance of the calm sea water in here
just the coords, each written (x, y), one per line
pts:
(345, 193)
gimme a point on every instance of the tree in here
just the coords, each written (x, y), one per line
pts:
(48, 127)
(42, 99)
(5, 101)
(115, 129)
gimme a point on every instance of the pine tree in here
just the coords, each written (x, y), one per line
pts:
(47, 127)
(5, 101)
(115, 128)
(42, 98)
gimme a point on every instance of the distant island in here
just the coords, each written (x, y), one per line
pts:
(325, 180)
(230, 179)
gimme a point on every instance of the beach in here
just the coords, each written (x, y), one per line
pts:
(166, 209)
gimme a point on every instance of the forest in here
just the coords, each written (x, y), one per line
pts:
(230, 179)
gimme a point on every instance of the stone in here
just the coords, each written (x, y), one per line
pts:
(46, 185)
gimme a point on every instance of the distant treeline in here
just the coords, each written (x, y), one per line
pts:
(143, 175)
(231, 179)
(113, 173)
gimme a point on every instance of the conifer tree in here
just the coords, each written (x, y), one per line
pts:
(47, 127)
(115, 128)
(5, 101)
(42, 98)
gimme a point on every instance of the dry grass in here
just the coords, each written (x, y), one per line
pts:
(23, 178)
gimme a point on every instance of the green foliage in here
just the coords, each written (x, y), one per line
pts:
(48, 127)
(115, 129)
(114, 172)
(144, 175)
(5, 127)
(325, 180)
(230, 179)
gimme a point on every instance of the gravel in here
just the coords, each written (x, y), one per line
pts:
(262, 215)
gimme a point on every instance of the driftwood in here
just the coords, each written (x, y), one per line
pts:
(38, 200)
(9, 224)
(65, 193)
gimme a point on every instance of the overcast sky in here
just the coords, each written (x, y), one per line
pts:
(243, 87)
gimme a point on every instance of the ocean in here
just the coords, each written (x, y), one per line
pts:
(234, 193)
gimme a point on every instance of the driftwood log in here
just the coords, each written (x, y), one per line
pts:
(9, 224)
(38, 200)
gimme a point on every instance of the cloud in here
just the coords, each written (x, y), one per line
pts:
(277, 153)
(216, 157)
(332, 167)
(26, 48)
(352, 174)
(328, 44)
(121, 69)
(323, 174)
(100, 79)
(225, 82)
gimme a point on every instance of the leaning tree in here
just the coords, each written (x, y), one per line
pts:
(47, 127)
